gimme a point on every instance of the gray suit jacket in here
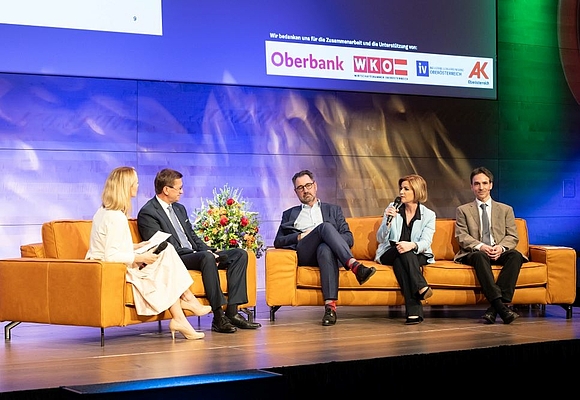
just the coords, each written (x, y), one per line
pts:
(468, 228)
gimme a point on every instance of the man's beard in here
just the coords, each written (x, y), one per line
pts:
(307, 199)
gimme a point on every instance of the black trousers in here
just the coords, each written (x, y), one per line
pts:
(236, 268)
(511, 262)
(407, 269)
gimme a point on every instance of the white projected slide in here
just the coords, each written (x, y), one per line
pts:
(125, 16)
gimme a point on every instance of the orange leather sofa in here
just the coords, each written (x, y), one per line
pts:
(52, 283)
(548, 278)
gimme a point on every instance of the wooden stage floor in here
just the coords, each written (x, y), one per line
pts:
(50, 356)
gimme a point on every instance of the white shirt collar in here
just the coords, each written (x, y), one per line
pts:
(164, 205)
(307, 206)
(488, 202)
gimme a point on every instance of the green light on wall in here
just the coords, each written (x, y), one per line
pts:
(532, 89)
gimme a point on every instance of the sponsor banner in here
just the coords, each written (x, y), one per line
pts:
(350, 63)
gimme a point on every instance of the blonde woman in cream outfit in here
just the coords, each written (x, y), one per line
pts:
(160, 281)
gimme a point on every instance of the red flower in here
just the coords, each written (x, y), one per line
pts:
(230, 201)
(244, 221)
(223, 221)
(233, 242)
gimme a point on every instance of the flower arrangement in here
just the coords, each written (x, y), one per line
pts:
(225, 222)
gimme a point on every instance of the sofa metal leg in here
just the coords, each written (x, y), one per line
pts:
(8, 328)
(273, 310)
(102, 337)
(568, 308)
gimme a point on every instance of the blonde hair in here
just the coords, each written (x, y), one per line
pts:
(117, 191)
(418, 185)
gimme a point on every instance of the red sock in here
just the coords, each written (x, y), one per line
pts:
(331, 304)
(354, 266)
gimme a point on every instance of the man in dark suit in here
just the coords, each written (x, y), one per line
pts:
(321, 237)
(156, 215)
(487, 233)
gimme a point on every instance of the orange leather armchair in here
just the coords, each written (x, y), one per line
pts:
(52, 283)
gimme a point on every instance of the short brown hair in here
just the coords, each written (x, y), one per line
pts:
(481, 170)
(302, 173)
(166, 177)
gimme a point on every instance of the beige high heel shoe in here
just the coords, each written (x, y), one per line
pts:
(186, 331)
(195, 307)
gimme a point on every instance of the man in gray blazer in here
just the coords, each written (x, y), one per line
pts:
(321, 237)
(486, 232)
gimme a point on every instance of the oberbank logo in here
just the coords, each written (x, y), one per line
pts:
(380, 66)
(309, 62)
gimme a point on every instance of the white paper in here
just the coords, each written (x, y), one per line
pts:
(153, 242)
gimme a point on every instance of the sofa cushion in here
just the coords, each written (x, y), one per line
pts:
(58, 235)
(66, 239)
(452, 275)
(444, 244)
(443, 274)
(384, 278)
(364, 230)
(33, 250)
(524, 243)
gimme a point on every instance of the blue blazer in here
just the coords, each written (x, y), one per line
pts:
(422, 233)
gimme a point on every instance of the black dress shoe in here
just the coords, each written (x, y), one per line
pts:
(489, 316)
(509, 316)
(364, 273)
(329, 317)
(242, 323)
(222, 324)
(413, 320)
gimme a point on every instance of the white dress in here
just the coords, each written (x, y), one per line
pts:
(157, 286)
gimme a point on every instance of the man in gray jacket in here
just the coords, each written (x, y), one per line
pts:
(487, 234)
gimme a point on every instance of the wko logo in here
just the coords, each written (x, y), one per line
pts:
(382, 66)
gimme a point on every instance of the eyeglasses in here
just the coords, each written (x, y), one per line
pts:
(179, 189)
(306, 186)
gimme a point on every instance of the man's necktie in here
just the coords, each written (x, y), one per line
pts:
(485, 234)
(180, 234)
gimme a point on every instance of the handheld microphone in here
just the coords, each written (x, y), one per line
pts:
(397, 205)
(160, 247)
